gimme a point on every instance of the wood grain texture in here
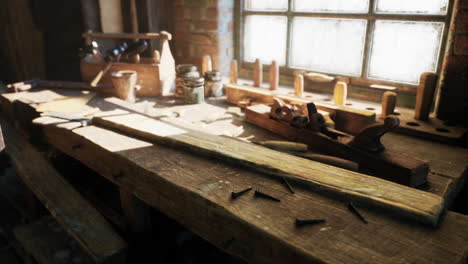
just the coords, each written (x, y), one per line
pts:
(346, 119)
(76, 215)
(412, 203)
(196, 191)
(425, 95)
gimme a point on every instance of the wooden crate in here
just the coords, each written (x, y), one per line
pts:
(155, 79)
(148, 74)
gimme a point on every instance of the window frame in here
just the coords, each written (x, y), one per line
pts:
(360, 81)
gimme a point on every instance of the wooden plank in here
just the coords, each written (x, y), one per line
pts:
(346, 119)
(76, 215)
(48, 243)
(196, 191)
(387, 164)
(412, 203)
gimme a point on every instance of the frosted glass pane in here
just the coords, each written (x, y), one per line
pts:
(328, 45)
(437, 7)
(266, 4)
(401, 51)
(265, 38)
(336, 6)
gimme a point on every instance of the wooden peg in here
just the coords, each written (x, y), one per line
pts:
(257, 73)
(389, 100)
(299, 85)
(156, 57)
(233, 73)
(425, 95)
(206, 64)
(274, 76)
(340, 93)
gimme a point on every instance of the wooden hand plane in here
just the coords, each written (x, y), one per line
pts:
(305, 125)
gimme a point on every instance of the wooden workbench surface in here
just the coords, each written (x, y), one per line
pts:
(195, 191)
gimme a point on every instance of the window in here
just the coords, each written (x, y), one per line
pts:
(387, 41)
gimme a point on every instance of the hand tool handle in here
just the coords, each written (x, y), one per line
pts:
(101, 73)
(425, 95)
(257, 73)
(389, 100)
(274, 76)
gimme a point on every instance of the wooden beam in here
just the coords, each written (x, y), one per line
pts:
(412, 203)
(81, 220)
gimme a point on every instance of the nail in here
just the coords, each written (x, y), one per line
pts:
(356, 212)
(266, 196)
(235, 195)
(288, 185)
(303, 222)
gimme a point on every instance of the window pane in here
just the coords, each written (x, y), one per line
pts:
(401, 51)
(328, 45)
(436, 7)
(265, 38)
(266, 4)
(337, 6)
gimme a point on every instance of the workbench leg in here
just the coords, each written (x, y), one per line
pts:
(137, 213)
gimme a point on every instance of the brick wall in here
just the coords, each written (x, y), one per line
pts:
(453, 92)
(203, 27)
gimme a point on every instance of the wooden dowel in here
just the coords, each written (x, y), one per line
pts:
(299, 85)
(257, 73)
(425, 95)
(233, 72)
(206, 64)
(389, 100)
(156, 57)
(340, 93)
(274, 76)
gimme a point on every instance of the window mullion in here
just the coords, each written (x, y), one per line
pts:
(370, 27)
(288, 32)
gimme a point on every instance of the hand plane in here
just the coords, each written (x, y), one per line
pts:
(303, 123)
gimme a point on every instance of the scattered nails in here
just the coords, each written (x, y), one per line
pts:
(266, 196)
(288, 185)
(304, 222)
(356, 212)
(235, 195)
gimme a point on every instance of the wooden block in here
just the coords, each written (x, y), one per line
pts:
(412, 203)
(299, 85)
(274, 76)
(340, 93)
(257, 73)
(389, 100)
(48, 243)
(425, 95)
(233, 72)
(80, 219)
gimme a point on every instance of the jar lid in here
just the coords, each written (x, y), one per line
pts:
(194, 81)
(189, 74)
(212, 74)
(184, 68)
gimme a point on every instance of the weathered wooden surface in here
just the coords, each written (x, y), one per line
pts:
(196, 192)
(77, 216)
(48, 243)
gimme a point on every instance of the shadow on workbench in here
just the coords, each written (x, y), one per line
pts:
(169, 242)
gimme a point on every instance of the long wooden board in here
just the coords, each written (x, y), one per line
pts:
(422, 206)
(81, 220)
(346, 119)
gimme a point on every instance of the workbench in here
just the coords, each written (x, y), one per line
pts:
(195, 191)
